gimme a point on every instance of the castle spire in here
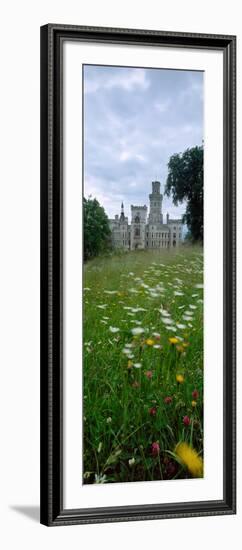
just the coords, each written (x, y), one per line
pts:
(122, 212)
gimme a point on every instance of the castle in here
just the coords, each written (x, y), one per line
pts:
(143, 233)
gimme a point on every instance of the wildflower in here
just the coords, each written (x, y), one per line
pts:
(187, 317)
(195, 394)
(185, 344)
(131, 461)
(137, 331)
(156, 335)
(137, 365)
(186, 420)
(182, 327)
(194, 403)
(114, 329)
(173, 340)
(149, 342)
(190, 458)
(164, 313)
(130, 364)
(166, 320)
(155, 449)
(179, 378)
(109, 420)
(167, 400)
(126, 351)
(157, 346)
(153, 411)
(149, 374)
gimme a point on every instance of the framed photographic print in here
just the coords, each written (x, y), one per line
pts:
(137, 274)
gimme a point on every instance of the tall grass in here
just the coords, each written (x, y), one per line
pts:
(143, 365)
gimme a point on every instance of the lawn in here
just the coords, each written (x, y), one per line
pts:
(143, 366)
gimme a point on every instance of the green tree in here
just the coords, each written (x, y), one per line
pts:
(97, 234)
(185, 183)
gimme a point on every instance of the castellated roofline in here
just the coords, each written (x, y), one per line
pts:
(139, 207)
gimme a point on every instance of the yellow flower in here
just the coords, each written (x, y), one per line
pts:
(173, 340)
(194, 403)
(180, 378)
(190, 458)
(185, 344)
(149, 342)
(130, 364)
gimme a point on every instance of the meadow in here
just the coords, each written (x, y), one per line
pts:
(143, 366)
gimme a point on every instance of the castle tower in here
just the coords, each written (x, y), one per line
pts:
(138, 224)
(155, 215)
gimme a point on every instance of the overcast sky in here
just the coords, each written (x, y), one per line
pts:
(134, 120)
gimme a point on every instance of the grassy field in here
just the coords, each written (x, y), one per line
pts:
(143, 366)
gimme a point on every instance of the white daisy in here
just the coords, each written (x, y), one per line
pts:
(137, 330)
(114, 329)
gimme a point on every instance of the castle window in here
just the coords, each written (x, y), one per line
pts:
(137, 219)
(137, 232)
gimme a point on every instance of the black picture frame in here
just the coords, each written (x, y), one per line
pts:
(51, 507)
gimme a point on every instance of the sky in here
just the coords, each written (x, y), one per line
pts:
(134, 120)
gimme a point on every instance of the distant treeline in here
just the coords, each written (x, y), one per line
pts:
(97, 234)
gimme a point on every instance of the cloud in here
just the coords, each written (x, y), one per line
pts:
(129, 155)
(122, 78)
(163, 107)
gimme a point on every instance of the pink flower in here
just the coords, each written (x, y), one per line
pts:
(167, 400)
(195, 394)
(155, 449)
(153, 411)
(149, 374)
(186, 420)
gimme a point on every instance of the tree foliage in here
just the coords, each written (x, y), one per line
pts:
(97, 234)
(185, 182)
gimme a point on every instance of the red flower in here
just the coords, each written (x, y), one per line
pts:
(195, 394)
(186, 420)
(153, 411)
(167, 400)
(155, 449)
(149, 374)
